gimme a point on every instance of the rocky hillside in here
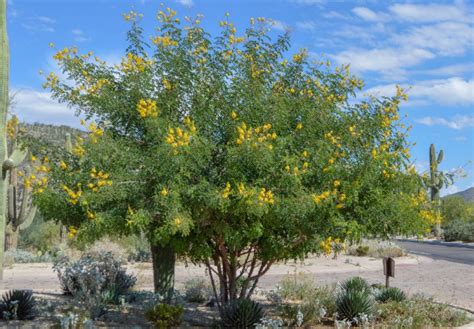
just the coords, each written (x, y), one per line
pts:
(468, 194)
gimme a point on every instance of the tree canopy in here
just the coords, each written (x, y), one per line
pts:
(228, 150)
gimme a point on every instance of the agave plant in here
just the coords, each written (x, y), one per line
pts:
(242, 313)
(352, 304)
(18, 304)
(391, 294)
(355, 284)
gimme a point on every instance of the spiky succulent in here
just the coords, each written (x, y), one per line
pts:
(391, 294)
(242, 313)
(355, 284)
(351, 304)
(18, 304)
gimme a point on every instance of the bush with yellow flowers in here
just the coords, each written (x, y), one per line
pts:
(222, 150)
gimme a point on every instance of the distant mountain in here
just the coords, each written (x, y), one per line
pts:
(51, 134)
(468, 194)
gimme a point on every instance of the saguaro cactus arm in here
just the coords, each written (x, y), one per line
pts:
(15, 159)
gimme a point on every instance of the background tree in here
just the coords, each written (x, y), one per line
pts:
(227, 153)
(456, 208)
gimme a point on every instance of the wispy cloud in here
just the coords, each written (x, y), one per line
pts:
(309, 2)
(37, 106)
(370, 15)
(306, 25)
(186, 3)
(79, 35)
(417, 13)
(280, 25)
(451, 70)
(451, 91)
(39, 24)
(457, 122)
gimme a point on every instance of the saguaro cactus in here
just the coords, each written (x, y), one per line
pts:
(18, 155)
(436, 182)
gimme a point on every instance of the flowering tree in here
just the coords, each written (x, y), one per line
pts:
(223, 151)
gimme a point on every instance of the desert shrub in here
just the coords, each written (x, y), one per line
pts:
(18, 305)
(377, 249)
(459, 230)
(354, 299)
(197, 290)
(419, 312)
(19, 256)
(241, 313)
(300, 295)
(94, 281)
(41, 235)
(393, 294)
(137, 248)
(165, 315)
(106, 245)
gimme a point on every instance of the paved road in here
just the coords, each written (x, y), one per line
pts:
(449, 253)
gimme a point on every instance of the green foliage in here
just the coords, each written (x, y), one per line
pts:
(220, 147)
(19, 256)
(356, 284)
(354, 299)
(362, 250)
(197, 290)
(300, 294)
(18, 304)
(94, 281)
(456, 208)
(377, 249)
(42, 236)
(393, 294)
(241, 313)
(420, 312)
(165, 315)
(459, 230)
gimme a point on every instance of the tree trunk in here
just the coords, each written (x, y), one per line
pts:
(163, 258)
(11, 238)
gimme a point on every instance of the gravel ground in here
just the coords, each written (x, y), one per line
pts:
(447, 282)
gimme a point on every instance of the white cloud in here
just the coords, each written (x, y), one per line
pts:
(369, 15)
(306, 25)
(457, 122)
(451, 70)
(79, 35)
(428, 13)
(280, 26)
(452, 91)
(446, 39)
(38, 106)
(47, 20)
(451, 189)
(460, 138)
(186, 3)
(383, 59)
(38, 24)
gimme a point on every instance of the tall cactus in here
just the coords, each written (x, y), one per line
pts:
(18, 155)
(436, 182)
(20, 209)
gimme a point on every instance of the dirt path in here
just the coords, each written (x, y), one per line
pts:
(446, 281)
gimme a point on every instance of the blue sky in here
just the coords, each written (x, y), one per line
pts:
(427, 46)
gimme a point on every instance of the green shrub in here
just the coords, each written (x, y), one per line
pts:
(419, 312)
(165, 315)
(362, 250)
(41, 235)
(18, 304)
(377, 249)
(354, 303)
(356, 284)
(19, 256)
(459, 230)
(242, 313)
(197, 290)
(393, 294)
(354, 298)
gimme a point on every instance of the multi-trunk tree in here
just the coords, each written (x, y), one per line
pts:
(228, 152)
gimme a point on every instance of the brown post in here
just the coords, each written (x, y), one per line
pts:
(388, 269)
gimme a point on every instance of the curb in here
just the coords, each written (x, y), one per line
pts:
(440, 243)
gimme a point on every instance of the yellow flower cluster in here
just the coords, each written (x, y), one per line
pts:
(233, 39)
(95, 87)
(78, 149)
(164, 191)
(131, 15)
(74, 196)
(101, 179)
(178, 137)
(51, 81)
(90, 215)
(299, 57)
(227, 190)
(95, 132)
(64, 54)
(326, 246)
(12, 124)
(167, 84)
(166, 17)
(72, 232)
(177, 221)
(430, 216)
(333, 139)
(147, 108)
(164, 41)
(318, 198)
(265, 196)
(134, 63)
(259, 135)
(295, 170)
